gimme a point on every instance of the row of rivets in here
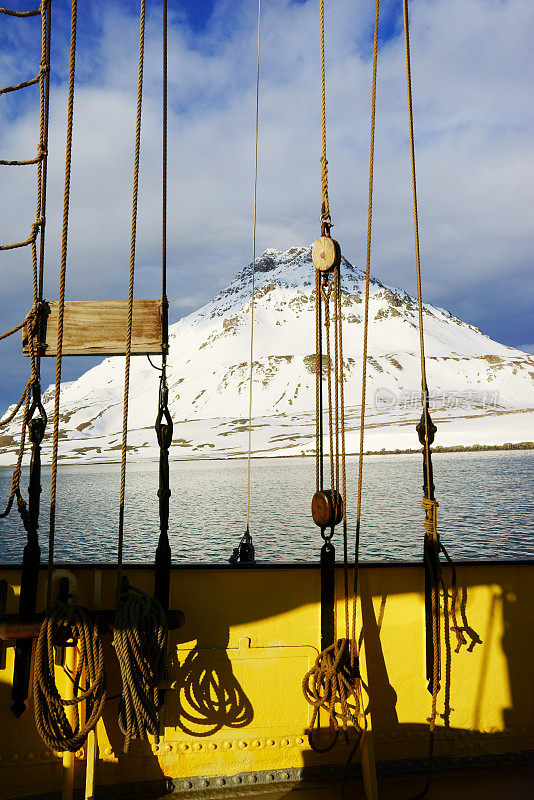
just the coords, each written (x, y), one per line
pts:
(237, 780)
(243, 744)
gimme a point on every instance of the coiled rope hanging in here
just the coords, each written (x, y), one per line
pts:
(332, 685)
(140, 636)
(244, 553)
(140, 641)
(68, 624)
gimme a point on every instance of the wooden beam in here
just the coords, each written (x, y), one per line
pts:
(98, 328)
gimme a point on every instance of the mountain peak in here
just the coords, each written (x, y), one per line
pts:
(209, 367)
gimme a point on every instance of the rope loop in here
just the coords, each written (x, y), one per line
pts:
(33, 13)
(332, 685)
(140, 642)
(68, 622)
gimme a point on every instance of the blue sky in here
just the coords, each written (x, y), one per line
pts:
(472, 63)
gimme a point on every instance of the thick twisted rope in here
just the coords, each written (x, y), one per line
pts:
(38, 158)
(135, 195)
(61, 304)
(140, 625)
(24, 399)
(33, 13)
(365, 322)
(140, 642)
(330, 686)
(43, 69)
(68, 623)
(325, 210)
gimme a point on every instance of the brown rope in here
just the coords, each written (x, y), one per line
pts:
(23, 400)
(33, 13)
(318, 373)
(68, 623)
(140, 641)
(32, 319)
(332, 684)
(135, 194)
(253, 298)
(42, 71)
(38, 158)
(325, 209)
(365, 328)
(61, 303)
(31, 238)
(165, 344)
(329, 685)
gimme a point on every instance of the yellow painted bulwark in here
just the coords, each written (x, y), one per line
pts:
(234, 701)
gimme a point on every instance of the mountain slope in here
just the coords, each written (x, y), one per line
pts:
(470, 375)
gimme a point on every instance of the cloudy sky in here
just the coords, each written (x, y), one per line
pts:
(472, 64)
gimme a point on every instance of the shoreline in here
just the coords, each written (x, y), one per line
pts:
(474, 448)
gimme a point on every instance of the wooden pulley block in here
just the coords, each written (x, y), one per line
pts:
(324, 514)
(326, 253)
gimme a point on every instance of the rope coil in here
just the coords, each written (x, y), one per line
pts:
(331, 685)
(140, 642)
(68, 622)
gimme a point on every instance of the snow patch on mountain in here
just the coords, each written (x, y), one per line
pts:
(473, 379)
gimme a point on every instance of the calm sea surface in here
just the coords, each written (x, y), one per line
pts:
(486, 509)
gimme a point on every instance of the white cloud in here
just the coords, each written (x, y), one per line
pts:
(472, 66)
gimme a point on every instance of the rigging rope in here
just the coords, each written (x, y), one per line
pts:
(244, 552)
(365, 329)
(33, 13)
(32, 320)
(140, 641)
(426, 430)
(140, 636)
(325, 211)
(164, 426)
(61, 303)
(66, 623)
(135, 194)
(332, 685)
(253, 267)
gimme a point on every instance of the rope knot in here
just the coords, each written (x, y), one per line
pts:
(331, 685)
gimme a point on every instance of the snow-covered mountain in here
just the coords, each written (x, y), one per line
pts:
(483, 392)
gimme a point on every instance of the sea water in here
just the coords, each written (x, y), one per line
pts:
(486, 509)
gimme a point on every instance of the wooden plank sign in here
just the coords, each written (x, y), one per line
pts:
(98, 328)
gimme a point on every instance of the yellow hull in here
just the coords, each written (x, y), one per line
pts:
(235, 715)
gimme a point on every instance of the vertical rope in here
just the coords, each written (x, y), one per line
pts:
(429, 503)
(61, 304)
(325, 211)
(365, 324)
(318, 376)
(424, 386)
(43, 141)
(165, 343)
(135, 195)
(253, 270)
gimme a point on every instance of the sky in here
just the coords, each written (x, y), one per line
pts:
(472, 74)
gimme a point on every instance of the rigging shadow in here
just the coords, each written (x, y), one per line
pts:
(206, 695)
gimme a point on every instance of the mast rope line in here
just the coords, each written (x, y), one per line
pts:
(32, 321)
(426, 430)
(65, 620)
(332, 685)
(365, 329)
(33, 13)
(164, 424)
(244, 552)
(140, 634)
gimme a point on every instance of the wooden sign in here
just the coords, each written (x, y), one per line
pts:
(99, 328)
